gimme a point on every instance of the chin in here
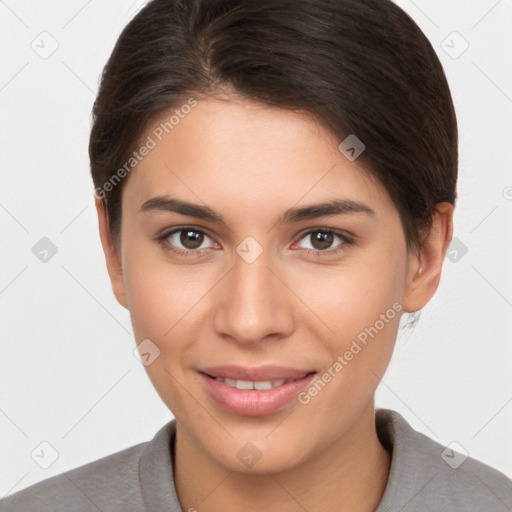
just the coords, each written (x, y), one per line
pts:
(260, 458)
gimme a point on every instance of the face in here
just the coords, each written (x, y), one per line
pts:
(253, 279)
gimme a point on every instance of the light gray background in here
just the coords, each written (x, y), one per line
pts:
(68, 376)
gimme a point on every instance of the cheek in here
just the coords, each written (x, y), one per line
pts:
(164, 302)
(161, 298)
(361, 304)
(352, 296)
(363, 308)
(158, 294)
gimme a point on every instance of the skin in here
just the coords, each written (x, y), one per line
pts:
(249, 163)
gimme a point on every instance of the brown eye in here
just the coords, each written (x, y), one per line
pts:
(191, 239)
(321, 240)
(186, 241)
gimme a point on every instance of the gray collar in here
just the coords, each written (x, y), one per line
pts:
(417, 473)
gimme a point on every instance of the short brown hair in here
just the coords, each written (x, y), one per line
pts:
(361, 67)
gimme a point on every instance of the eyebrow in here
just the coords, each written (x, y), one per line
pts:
(313, 211)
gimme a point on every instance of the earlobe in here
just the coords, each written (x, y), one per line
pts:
(112, 258)
(425, 265)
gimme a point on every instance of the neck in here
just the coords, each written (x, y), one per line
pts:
(353, 470)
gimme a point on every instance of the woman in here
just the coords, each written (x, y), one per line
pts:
(275, 184)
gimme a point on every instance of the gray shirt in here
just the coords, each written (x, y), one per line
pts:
(424, 476)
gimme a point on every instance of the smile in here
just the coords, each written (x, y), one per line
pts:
(250, 384)
(254, 397)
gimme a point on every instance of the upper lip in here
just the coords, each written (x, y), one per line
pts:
(260, 373)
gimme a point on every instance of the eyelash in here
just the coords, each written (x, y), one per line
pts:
(346, 242)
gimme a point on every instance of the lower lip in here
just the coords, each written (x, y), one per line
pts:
(251, 402)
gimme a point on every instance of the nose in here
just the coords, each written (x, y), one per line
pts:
(253, 303)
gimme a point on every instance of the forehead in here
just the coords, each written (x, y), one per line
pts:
(231, 149)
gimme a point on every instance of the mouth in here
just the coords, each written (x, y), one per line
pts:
(254, 392)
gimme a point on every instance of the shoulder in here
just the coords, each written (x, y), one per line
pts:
(111, 483)
(425, 475)
(88, 487)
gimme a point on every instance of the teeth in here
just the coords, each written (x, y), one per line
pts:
(266, 384)
(250, 384)
(244, 384)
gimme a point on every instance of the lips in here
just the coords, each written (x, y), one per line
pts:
(254, 391)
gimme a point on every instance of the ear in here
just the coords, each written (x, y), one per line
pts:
(425, 265)
(114, 267)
